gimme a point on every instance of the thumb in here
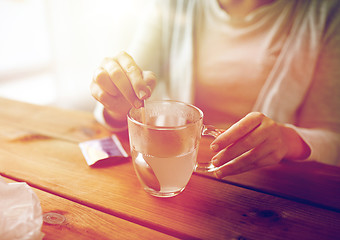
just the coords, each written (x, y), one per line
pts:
(150, 80)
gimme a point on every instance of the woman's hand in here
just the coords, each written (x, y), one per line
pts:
(255, 141)
(118, 83)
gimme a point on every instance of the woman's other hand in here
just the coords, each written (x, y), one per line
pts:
(118, 83)
(253, 142)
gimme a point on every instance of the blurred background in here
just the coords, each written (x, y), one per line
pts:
(50, 48)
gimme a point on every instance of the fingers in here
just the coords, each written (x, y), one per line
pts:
(125, 76)
(119, 84)
(102, 79)
(237, 131)
(100, 95)
(245, 163)
(135, 74)
(247, 142)
(255, 141)
(116, 103)
(121, 81)
(150, 79)
(105, 91)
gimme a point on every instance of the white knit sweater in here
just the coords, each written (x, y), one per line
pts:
(302, 90)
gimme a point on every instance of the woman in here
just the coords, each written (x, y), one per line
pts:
(268, 68)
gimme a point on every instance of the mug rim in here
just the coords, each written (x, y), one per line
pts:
(130, 118)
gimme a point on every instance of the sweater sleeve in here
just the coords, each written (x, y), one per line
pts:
(319, 116)
(324, 144)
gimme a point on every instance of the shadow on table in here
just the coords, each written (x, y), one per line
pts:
(110, 162)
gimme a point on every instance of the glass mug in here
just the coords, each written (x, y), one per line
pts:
(164, 139)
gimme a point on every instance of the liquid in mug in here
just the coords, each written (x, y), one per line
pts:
(173, 173)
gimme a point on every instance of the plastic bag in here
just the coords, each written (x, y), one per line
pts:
(20, 212)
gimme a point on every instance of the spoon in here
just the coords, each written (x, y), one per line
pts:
(146, 174)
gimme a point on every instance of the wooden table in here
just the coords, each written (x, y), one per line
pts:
(39, 145)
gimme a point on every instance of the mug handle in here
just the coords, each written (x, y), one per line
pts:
(208, 130)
